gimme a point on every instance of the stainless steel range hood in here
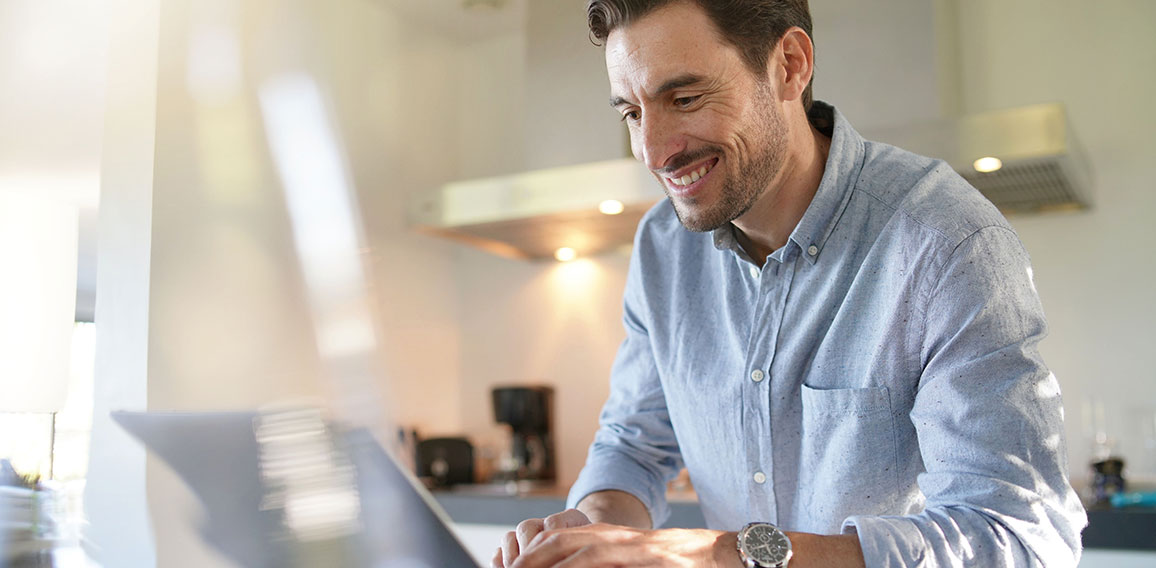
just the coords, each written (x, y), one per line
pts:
(1043, 166)
(532, 214)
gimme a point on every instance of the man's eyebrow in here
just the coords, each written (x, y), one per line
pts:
(672, 84)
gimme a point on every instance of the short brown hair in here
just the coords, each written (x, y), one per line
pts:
(751, 26)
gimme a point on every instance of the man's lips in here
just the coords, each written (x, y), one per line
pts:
(687, 180)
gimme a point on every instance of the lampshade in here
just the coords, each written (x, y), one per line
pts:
(38, 259)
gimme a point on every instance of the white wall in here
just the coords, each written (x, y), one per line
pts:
(566, 85)
(879, 62)
(491, 106)
(542, 323)
(115, 503)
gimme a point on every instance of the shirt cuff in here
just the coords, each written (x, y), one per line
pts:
(639, 484)
(887, 542)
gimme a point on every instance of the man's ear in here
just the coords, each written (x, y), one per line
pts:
(792, 64)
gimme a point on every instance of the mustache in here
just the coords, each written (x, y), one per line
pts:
(687, 158)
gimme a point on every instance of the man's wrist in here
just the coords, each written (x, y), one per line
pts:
(726, 551)
(835, 551)
(616, 508)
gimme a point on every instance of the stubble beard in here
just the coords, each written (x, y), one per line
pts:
(746, 180)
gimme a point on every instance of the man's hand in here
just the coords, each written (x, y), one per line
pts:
(613, 545)
(518, 540)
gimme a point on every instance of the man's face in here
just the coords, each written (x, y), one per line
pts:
(708, 128)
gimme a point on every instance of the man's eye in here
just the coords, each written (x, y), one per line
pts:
(685, 101)
(630, 115)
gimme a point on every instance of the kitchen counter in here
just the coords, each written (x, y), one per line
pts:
(487, 506)
(1119, 529)
(1123, 529)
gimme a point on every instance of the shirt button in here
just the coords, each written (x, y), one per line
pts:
(760, 477)
(757, 375)
(754, 273)
(812, 250)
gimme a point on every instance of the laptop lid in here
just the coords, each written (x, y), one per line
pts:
(218, 456)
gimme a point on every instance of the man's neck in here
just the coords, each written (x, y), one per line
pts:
(768, 224)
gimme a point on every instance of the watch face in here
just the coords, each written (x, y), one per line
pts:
(766, 545)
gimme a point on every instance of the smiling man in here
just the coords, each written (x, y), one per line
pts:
(837, 338)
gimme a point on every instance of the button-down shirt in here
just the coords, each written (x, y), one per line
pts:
(879, 373)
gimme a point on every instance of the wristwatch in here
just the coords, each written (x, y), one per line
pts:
(763, 545)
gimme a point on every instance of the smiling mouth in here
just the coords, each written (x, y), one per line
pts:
(693, 176)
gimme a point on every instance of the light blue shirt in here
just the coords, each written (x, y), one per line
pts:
(878, 375)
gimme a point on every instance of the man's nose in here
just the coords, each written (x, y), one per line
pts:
(655, 141)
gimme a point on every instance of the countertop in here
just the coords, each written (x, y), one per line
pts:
(1120, 529)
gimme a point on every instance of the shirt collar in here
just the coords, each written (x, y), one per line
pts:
(844, 161)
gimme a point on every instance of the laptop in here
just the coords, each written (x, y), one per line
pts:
(398, 523)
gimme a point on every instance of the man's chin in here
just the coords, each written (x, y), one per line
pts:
(696, 220)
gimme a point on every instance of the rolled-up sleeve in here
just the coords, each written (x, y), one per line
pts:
(989, 421)
(634, 449)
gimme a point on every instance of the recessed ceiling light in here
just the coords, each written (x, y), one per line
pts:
(987, 164)
(565, 254)
(611, 207)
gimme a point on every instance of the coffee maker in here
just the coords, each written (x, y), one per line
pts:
(529, 413)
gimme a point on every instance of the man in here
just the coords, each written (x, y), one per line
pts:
(841, 349)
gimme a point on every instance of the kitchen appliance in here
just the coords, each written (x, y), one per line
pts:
(445, 461)
(528, 412)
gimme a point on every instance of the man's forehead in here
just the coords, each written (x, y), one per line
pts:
(643, 60)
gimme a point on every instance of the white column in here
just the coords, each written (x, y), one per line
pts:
(115, 502)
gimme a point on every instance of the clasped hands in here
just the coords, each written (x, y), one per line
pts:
(569, 539)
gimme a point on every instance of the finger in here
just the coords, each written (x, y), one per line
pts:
(537, 557)
(566, 519)
(496, 561)
(551, 547)
(510, 548)
(526, 531)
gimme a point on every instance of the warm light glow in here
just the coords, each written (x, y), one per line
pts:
(611, 207)
(565, 254)
(988, 164)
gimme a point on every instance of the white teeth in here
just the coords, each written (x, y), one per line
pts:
(691, 177)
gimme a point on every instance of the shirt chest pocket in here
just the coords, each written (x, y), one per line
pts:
(847, 454)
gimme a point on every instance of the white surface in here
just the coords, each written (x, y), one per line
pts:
(481, 540)
(1117, 559)
(115, 504)
(38, 245)
(51, 111)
